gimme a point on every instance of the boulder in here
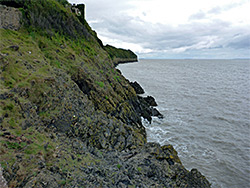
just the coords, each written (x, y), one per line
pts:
(156, 113)
(138, 89)
(150, 100)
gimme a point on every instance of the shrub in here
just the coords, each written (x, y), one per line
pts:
(101, 84)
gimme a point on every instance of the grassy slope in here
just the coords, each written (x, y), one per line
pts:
(120, 55)
(27, 74)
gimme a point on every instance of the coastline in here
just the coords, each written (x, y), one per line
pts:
(118, 61)
(68, 116)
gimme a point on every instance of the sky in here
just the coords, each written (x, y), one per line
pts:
(173, 29)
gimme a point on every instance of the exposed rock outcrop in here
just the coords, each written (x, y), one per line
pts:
(150, 100)
(138, 89)
(146, 110)
(10, 17)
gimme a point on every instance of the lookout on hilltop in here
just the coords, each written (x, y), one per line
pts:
(77, 9)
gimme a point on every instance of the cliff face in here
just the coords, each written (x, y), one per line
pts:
(68, 118)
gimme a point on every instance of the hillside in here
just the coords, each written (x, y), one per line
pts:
(119, 55)
(68, 118)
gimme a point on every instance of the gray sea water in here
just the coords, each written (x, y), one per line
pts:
(206, 105)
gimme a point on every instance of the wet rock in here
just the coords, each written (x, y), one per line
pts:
(138, 89)
(150, 100)
(144, 109)
(195, 179)
(156, 113)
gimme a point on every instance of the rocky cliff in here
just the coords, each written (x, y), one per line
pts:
(68, 118)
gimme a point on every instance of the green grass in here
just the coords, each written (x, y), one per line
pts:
(15, 145)
(119, 166)
(100, 84)
(119, 53)
(117, 78)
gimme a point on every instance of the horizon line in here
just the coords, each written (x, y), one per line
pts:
(195, 58)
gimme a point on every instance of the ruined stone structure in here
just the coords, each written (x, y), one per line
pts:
(79, 10)
(10, 18)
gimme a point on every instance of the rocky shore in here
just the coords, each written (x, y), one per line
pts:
(68, 118)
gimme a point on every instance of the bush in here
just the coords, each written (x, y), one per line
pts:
(101, 84)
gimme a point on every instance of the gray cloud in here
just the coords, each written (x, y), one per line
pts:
(240, 42)
(211, 39)
(215, 10)
(218, 10)
(198, 16)
(157, 36)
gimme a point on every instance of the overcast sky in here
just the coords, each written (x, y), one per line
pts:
(173, 28)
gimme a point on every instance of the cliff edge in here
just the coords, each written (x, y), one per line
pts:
(119, 55)
(68, 118)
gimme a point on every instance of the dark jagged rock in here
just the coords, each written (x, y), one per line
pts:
(145, 109)
(147, 166)
(145, 105)
(150, 100)
(156, 113)
(138, 89)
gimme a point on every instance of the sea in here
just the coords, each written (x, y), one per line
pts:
(206, 108)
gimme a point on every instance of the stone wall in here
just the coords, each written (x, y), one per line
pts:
(81, 8)
(10, 18)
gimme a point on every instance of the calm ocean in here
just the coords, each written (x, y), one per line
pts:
(206, 108)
